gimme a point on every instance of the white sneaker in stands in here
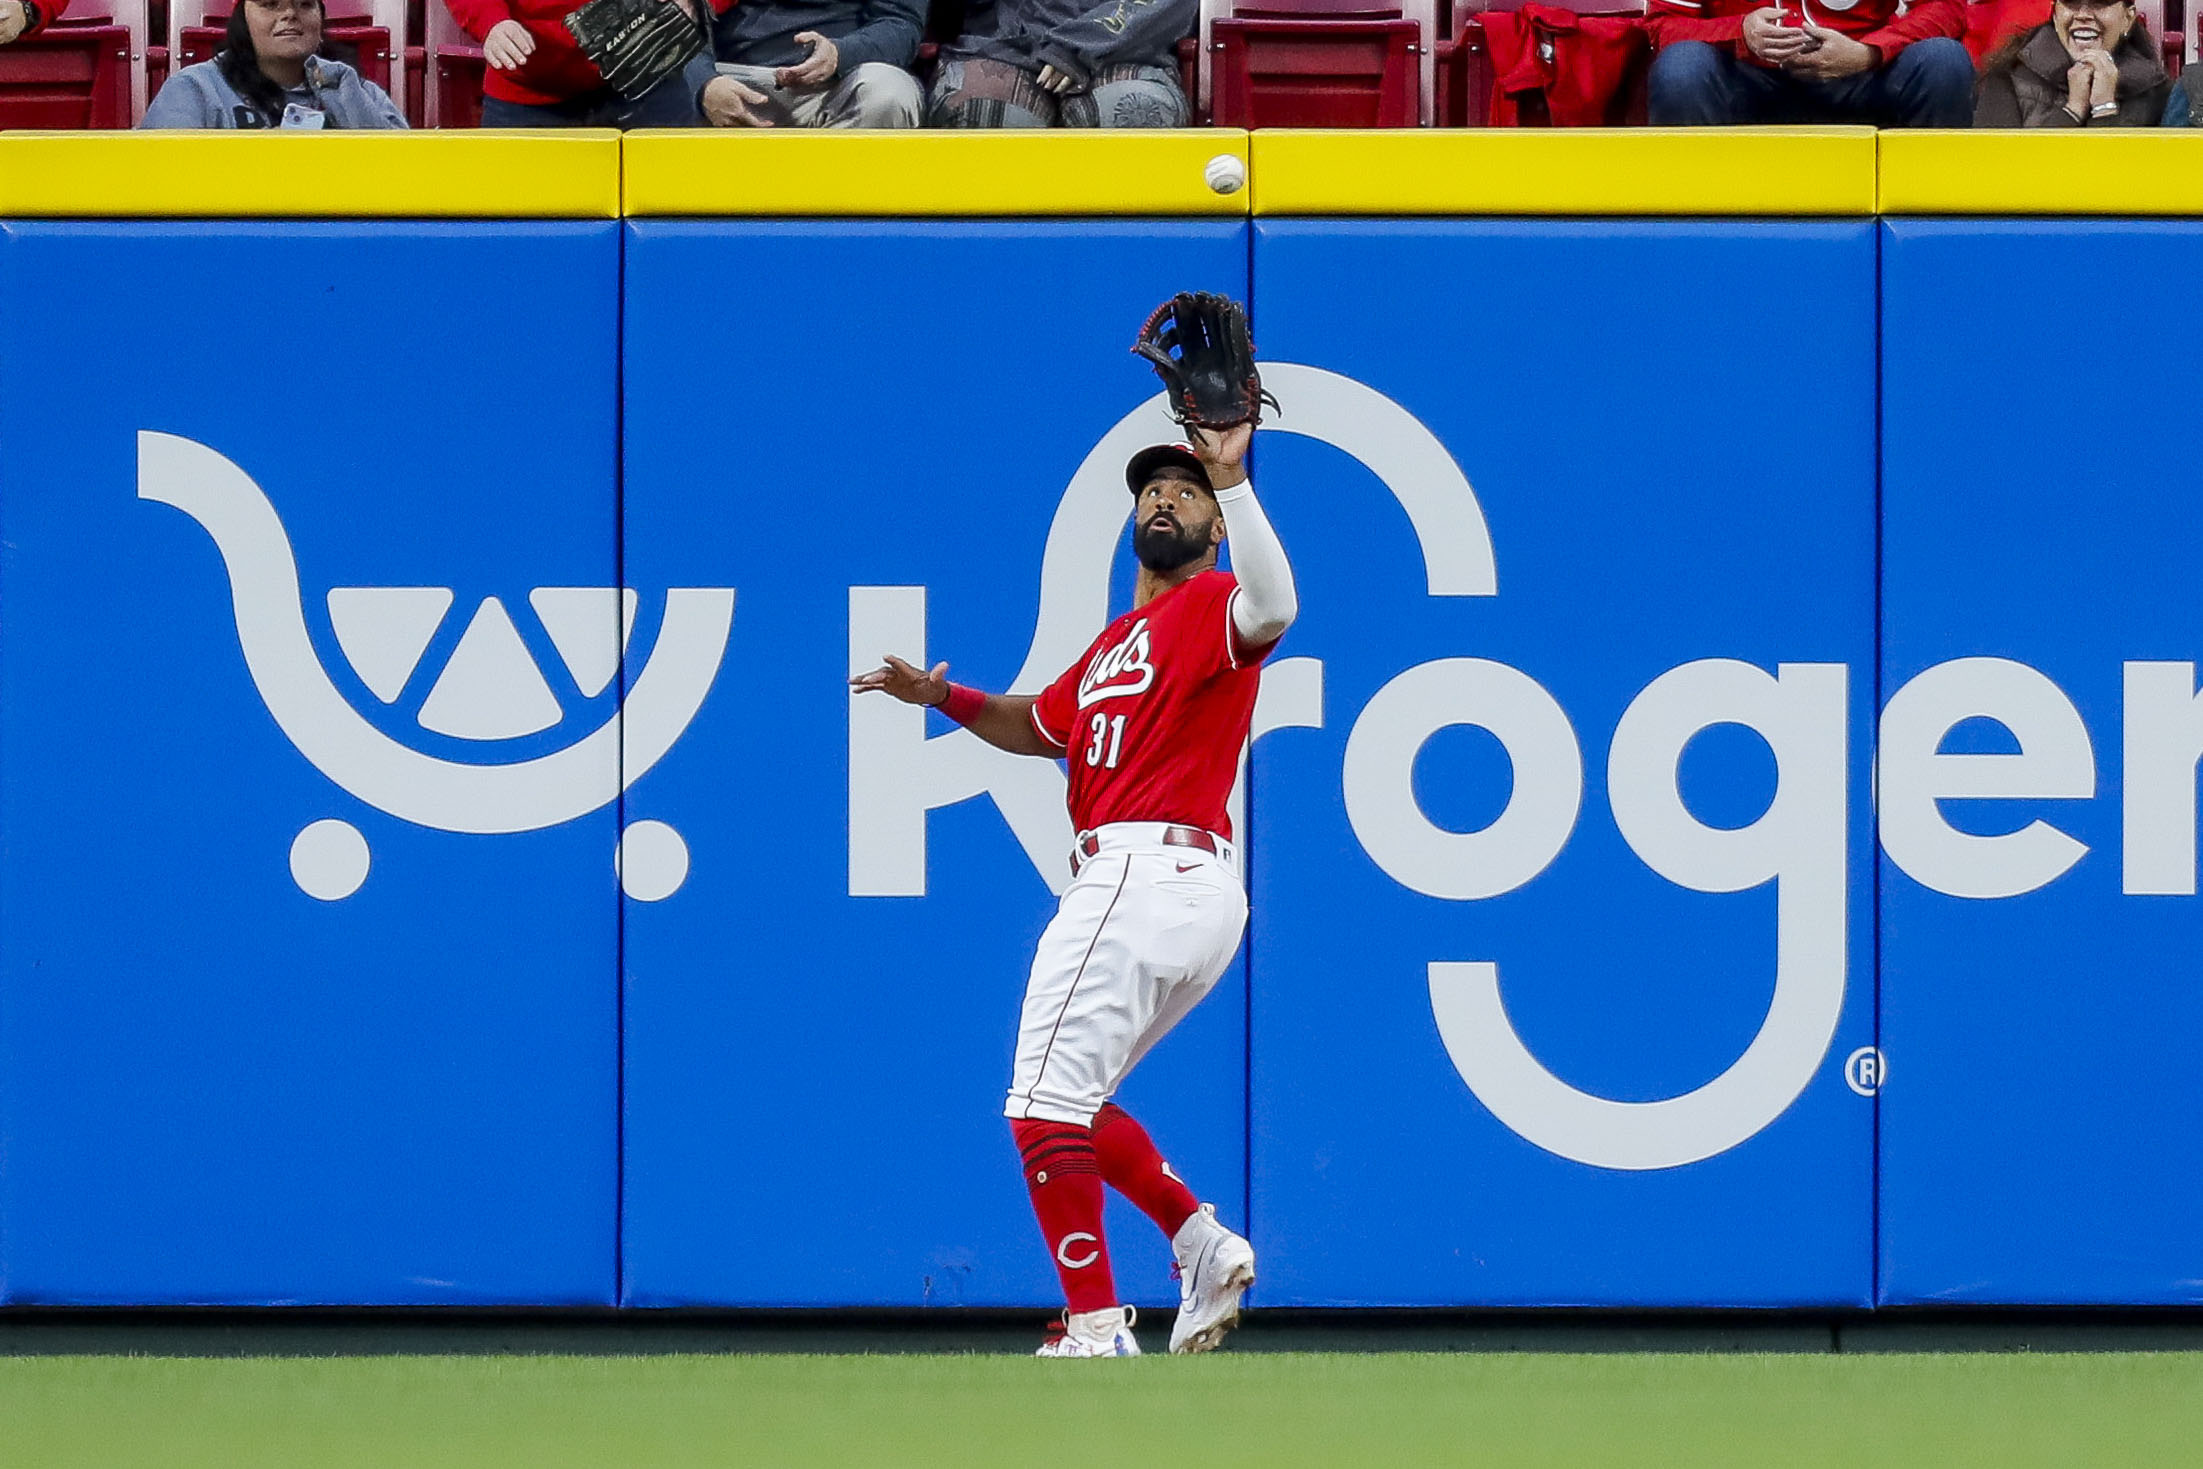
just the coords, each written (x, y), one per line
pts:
(1095, 1334)
(1215, 1267)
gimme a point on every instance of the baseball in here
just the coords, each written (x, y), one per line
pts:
(1226, 174)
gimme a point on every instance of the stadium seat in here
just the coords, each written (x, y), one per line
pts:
(133, 16)
(1317, 63)
(67, 76)
(1464, 64)
(454, 72)
(375, 29)
(415, 100)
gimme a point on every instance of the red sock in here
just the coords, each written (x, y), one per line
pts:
(1065, 1182)
(1131, 1166)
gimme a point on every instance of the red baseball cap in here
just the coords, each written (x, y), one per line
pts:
(1157, 456)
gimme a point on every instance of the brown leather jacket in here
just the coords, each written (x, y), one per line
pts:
(2027, 87)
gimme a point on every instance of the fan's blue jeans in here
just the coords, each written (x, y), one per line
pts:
(1929, 84)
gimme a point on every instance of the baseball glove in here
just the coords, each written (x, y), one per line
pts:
(635, 44)
(1199, 346)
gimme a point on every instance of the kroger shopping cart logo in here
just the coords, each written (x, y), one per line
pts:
(489, 692)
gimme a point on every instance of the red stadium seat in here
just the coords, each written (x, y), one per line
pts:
(134, 16)
(454, 72)
(67, 76)
(1316, 63)
(416, 86)
(415, 100)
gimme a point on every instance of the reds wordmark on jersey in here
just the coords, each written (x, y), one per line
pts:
(1153, 717)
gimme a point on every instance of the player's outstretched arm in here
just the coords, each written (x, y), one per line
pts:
(1004, 721)
(1267, 602)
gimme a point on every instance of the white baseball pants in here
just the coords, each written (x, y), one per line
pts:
(1143, 933)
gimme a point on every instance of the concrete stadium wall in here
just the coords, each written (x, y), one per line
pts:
(440, 862)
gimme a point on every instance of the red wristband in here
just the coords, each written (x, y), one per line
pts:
(962, 705)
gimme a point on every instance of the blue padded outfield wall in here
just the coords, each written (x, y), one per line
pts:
(1548, 969)
(242, 540)
(819, 1022)
(441, 863)
(2041, 939)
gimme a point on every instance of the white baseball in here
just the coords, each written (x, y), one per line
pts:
(1226, 174)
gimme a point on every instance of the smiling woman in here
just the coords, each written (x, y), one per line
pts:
(2094, 64)
(272, 73)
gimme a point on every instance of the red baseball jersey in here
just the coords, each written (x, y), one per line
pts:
(1153, 718)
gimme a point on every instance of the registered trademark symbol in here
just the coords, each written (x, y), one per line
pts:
(1865, 1071)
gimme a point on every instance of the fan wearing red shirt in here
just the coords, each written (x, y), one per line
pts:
(1152, 721)
(534, 73)
(1809, 61)
(20, 18)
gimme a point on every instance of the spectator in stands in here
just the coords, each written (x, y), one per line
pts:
(20, 18)
(2184, 101)
(816, 64)
(2094, 64)
(1065, 63)
(271, 73)
(535, 76)
(1742, 61)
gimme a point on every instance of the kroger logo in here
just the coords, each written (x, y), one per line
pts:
(489, 692)
(1798, 843)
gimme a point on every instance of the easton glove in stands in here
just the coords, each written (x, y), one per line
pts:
(635, 43)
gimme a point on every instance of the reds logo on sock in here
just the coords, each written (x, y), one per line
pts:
(1119, 671)
(1063, 1251)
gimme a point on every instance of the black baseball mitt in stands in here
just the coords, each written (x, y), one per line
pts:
(636, 44)
(1199, 346)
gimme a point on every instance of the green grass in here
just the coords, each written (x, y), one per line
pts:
(1769, 1412)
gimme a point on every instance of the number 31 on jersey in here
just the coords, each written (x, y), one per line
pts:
(1107, 741)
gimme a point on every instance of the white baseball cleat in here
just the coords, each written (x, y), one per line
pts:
(1215, 1267)
(1095, 1334)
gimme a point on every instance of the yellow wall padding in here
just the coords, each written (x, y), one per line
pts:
(456, 174)
(2043, 171)
(1566, 171)
(924, 173)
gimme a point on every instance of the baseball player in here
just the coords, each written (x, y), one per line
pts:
(1152, 721)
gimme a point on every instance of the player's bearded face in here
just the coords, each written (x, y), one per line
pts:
(1173, 534)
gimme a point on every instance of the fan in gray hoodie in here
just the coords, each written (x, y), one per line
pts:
(333, 96)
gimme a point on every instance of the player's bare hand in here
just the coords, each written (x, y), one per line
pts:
(508, 45)
(1222, 452)
(14, 20)
(730, 104)
(907, 682)
(815, 69)
(1057, 82)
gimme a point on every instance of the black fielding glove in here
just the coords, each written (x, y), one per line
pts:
(1198, 344)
